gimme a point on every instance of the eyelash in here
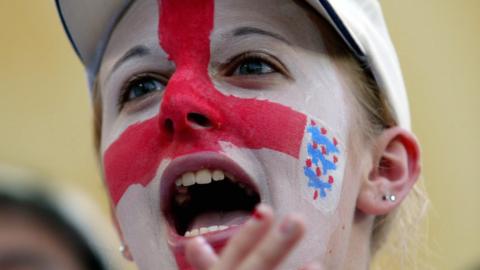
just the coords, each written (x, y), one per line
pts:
(233, 63)
(125, 90)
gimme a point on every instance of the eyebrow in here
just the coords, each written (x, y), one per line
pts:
(135, 52)
(142, 50)
(244, 31)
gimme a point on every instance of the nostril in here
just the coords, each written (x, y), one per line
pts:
(199, 120)
(169, 125)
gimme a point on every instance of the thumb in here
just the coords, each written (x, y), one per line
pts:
(200, 254)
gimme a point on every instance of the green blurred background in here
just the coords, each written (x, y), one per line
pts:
(46, 118)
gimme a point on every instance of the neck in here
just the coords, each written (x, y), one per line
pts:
(358, 253)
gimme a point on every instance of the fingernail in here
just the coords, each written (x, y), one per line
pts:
(288, 226)
(259, 212)
(205, 245)
(201, 240)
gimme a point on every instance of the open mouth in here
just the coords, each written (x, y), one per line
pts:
(210, 198)
(207, 201)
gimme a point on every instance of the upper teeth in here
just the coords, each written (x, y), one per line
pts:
(203, 176)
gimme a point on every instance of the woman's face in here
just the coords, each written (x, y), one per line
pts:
(210, 107)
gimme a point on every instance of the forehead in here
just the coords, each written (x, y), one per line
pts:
(290, 19)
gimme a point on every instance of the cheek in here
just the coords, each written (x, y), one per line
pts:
(142, 226)
(321, 165)
(319, 169)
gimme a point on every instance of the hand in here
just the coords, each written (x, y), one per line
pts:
(260, 244)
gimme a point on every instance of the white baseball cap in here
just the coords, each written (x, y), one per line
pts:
(360, 23)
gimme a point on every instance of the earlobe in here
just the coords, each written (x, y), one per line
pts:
(394, 169)
(123, 249)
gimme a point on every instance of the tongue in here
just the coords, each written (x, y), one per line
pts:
(229, 218)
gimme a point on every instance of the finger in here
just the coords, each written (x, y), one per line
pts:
(200, 254)
(312, 266)
(275, 247)
(247, 238)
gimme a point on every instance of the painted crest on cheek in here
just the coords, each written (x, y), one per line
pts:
(323, 167)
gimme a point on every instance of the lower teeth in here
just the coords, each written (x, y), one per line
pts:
(204, 230)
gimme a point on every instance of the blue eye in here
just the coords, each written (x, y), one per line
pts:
(253, 66)
(141, 87)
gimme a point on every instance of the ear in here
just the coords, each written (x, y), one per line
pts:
(394, 170)
(124, 247)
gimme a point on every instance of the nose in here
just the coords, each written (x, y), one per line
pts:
(186, 113)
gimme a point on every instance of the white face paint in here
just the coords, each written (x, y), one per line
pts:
(143, 225)
(313, 87)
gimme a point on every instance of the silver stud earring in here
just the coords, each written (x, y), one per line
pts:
(125, 252)
(122, 248)
(390, 198)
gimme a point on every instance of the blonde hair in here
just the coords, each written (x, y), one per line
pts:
(397, 233)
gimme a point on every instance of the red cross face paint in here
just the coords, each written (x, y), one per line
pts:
(280, 144)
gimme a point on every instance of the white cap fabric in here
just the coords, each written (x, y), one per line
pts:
(360, 23)
(88, 24)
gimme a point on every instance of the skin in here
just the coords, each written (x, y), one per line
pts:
(25, 235)
(310, 81)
